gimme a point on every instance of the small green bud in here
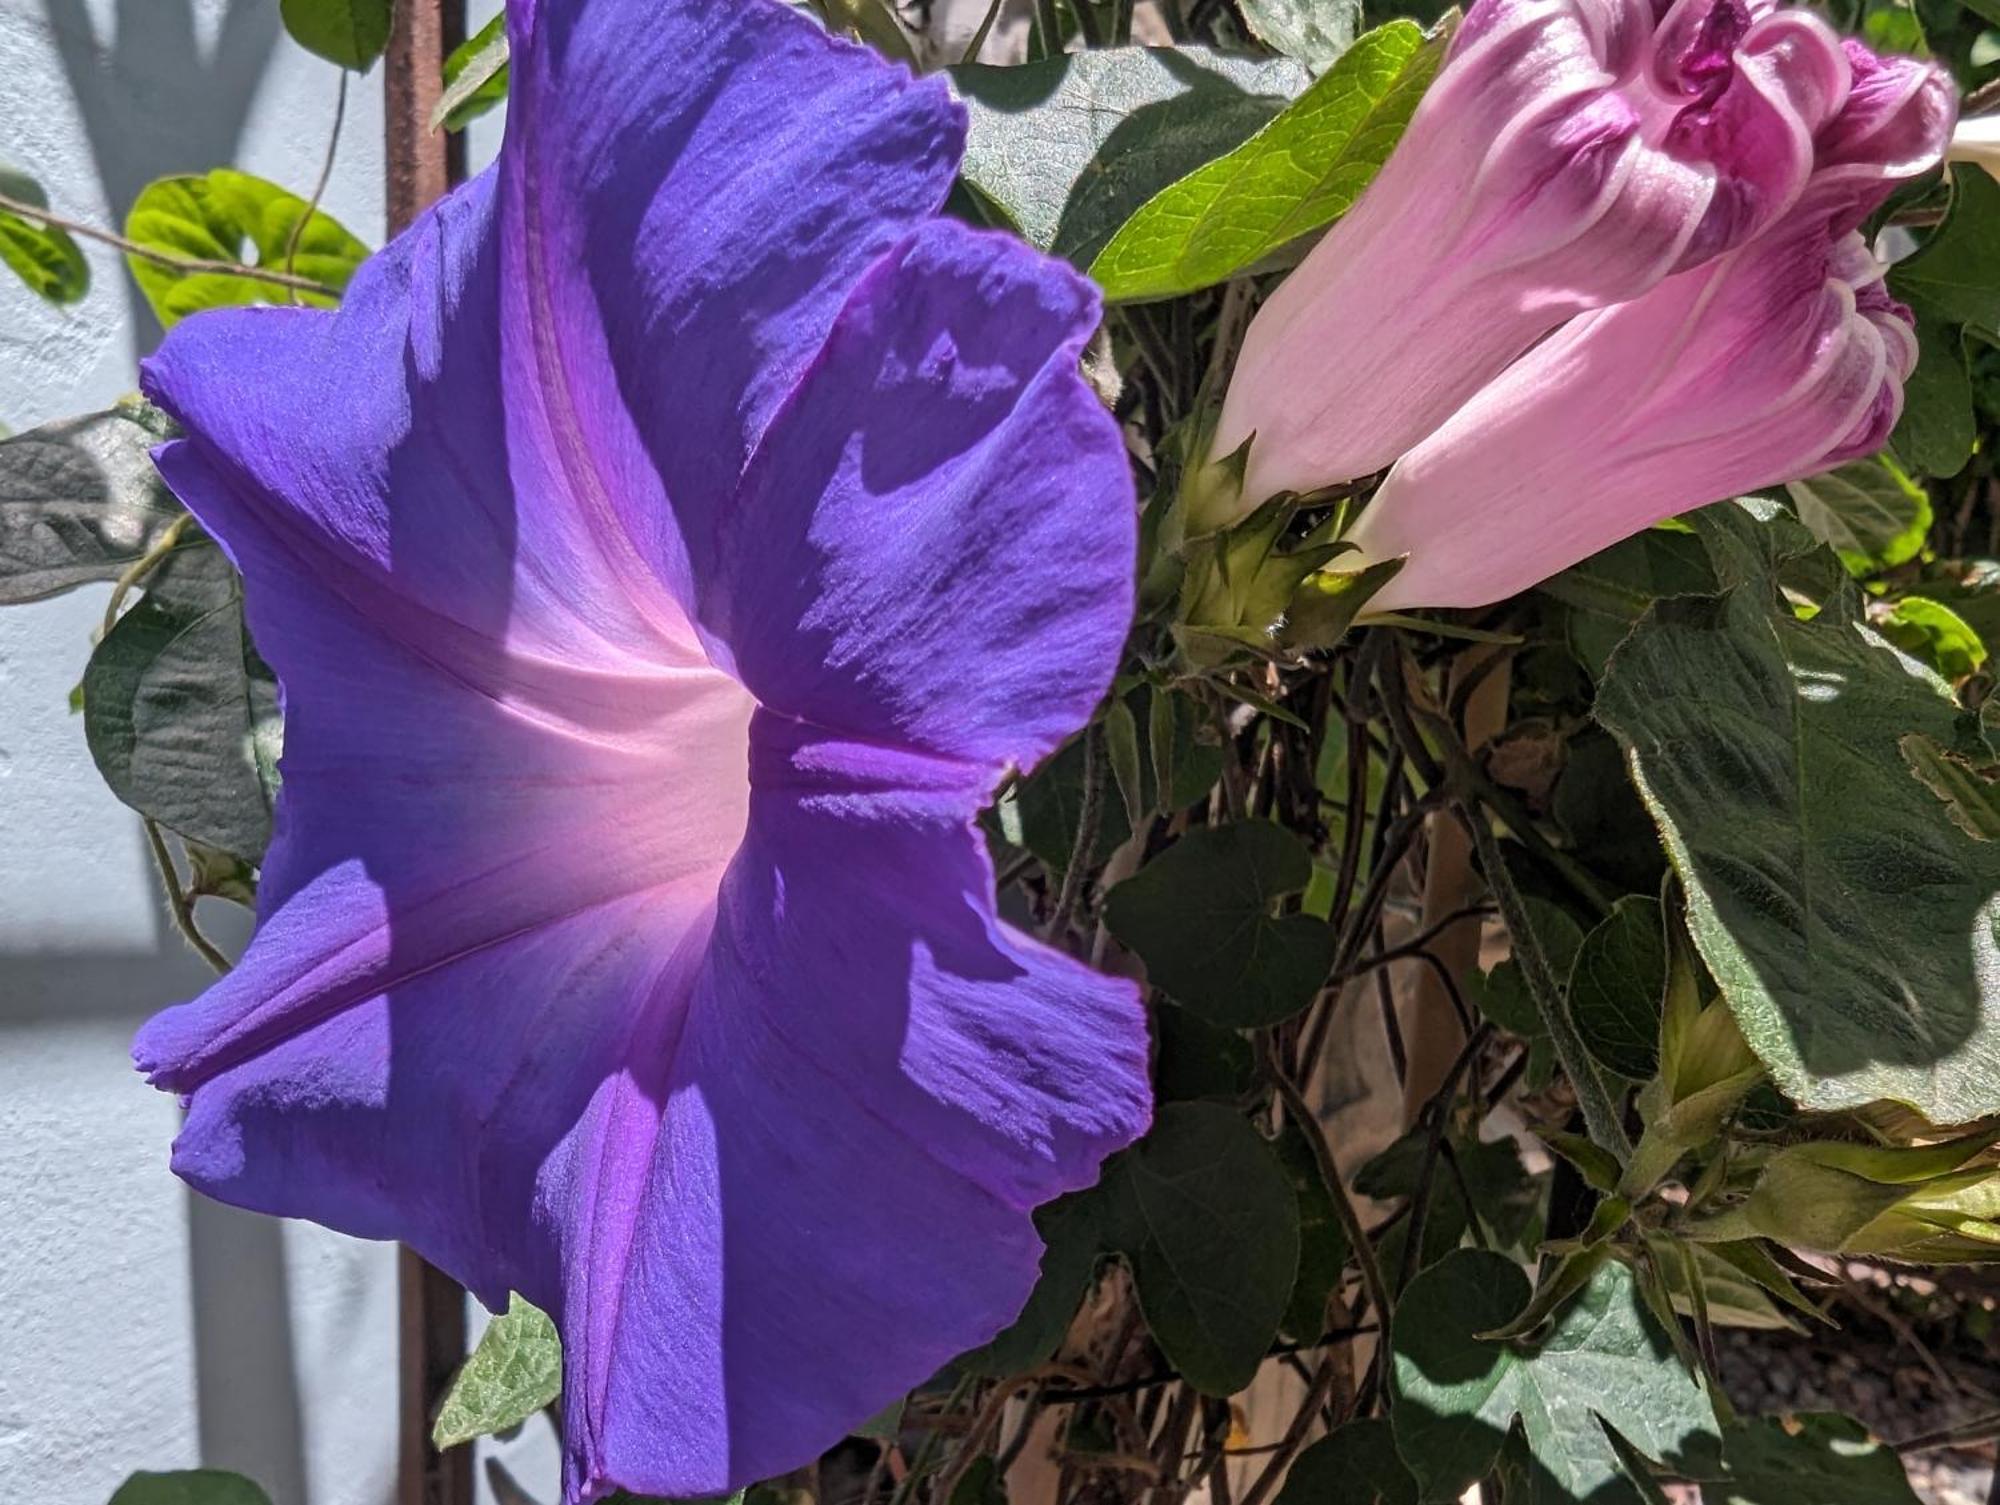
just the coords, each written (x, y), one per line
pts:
(1928, 1204)
(1211, 494)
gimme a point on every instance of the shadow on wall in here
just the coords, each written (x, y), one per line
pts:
(154, 101)
(247, 1401)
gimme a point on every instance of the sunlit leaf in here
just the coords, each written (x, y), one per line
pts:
(39, 254)
(231, 217)
(514, 1372)
(351, 33)
(1066, 149)
(80, 501)
(1871, 514)
(475, 77)
(1848, 920)
(1603, 1362)
(1316, 32)
(1303, 170)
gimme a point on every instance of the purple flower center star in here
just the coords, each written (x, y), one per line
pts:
(664, 551)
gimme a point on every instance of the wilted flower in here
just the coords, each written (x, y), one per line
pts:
(1571, 154)
(1781, 359)
(654, 551)
(1920, 1204)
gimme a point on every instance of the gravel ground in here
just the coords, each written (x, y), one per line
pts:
(1906, 1360)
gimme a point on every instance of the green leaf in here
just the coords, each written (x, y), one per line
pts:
(1323, 1241)
(981, 1484)
(1504, 1198)
(1870, 513)
(232, 217)
(80, 501)
(1935, 634)
(1067, 148)
(1194, 1058)
(514, 1372)
(1357, 1465)
(1936, 432)
(351, 33)
(1121, 750)
(1205, 1216)
(1848, 921)
(1201, 917)
(1050, 802)
(1602, 1362)
(1971, 588)
(1827, 1459)
(1730, 1297)
(1611, 590)
(1954, 277)
(181, 714)
(1209, 1224)
(193, 1486)
(1300, 172)
(475, 77)
(1073, 1234)
(886, 1424)
(1967, 787)
(39, 254)
(1316, 32)
(1615, 987)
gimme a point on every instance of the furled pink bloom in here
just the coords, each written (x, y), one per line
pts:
(1778, 360)
(663, 551)
(1570, 154)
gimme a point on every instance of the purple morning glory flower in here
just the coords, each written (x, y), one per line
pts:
(664, 550)
(1570, 154)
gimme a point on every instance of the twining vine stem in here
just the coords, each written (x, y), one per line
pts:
(192, 265)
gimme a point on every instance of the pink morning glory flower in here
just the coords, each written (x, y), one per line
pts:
(1780, 359)
(1570, 154)
(655, 551)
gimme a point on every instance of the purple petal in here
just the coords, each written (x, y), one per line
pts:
(874, 1083)
(864, 620)
(577, 969)
(693, 189)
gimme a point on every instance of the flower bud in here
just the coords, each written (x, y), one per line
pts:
(1706, 1069)
(1569, 155)
(1782, 359)
(1928, 1204)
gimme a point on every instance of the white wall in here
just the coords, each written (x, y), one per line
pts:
(141, 1327)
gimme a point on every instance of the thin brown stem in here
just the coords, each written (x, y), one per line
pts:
(179, 906)
(325, 173)
(189, 264)
(1309, 1125)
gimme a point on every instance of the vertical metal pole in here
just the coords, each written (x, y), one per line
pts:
(422, 164)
